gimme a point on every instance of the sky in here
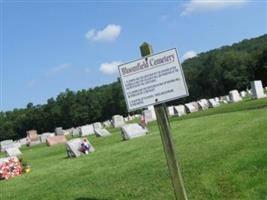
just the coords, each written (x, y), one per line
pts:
(49, 46)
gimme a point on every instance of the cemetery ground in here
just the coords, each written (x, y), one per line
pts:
(222, 153)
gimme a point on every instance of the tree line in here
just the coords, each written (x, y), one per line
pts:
(210, 74)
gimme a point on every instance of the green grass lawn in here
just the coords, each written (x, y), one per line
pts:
(222, 152)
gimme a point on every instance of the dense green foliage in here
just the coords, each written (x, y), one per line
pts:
(222, 152)
(209, 74)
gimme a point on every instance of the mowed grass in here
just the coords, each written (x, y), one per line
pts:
(222, 153)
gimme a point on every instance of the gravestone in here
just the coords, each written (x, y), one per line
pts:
(257, 89)
(97, 125)
(234, 96)
(76, 131)
(148, 116)
(190, 108)
(4, 143)
(101, 132)
(87, 130)
(13, 151)
(73, 147)
(170, 110)
(217, 99)
(13, 144)
(152, 109)
(23, 141)
(58, 139)
(134, 130)
(44, 136)
(59, 131)
(243, 94)
(32, 138)
(179, 110)
(203, 104)
(118, 121)
(107, 123)
(213, 103)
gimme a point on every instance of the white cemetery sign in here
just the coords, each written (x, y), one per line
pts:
(153, 80)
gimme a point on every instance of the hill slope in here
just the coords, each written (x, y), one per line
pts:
(222, 153)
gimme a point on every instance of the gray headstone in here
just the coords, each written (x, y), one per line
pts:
(14, 144)
(97, 125)
(13, 151)
(148, 116)
(107, 123)
(257, 89)
(23, 141)
(213, 103)
(87, 130)
(73, 147)
(4, 143)
(44, 136)
(243, 94)
(130, 131)
(190, 108)
(101, 132)
(152, 109)
(203, 104)
(234, 96)
(118, 121)
(170, 110)
(59, 131)
(179, 110)
(76, 131)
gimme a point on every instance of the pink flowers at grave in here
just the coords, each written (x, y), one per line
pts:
(10, 167)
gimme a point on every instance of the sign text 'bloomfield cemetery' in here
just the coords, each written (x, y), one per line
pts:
(153, 80)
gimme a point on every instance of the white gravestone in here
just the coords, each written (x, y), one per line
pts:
(44, 136)
(73, 147)
(203, 104)
(130, 131)
(217, 99)
(257, 89)
(213, 103)
(13, 151)
(101, 132)
(87, 130)
(23, 141)
(148, 116)
(170, 110)
(190, 108)
(13, 144)
(107, 123)
(76, 131)
(118, 121)
(152, 109)
(179, 110)
(59, 131)
(234, 96)
(243, 94)
(97, 125)
(4, 143)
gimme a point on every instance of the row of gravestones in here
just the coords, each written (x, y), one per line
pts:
(256, 92)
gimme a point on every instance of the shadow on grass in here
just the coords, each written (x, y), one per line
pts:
(90, 198)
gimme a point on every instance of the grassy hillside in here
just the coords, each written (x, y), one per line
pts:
(222, 152)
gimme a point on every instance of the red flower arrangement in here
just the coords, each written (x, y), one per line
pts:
(10, 167)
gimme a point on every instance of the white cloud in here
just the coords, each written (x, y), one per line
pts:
(58, 69)
(189, 54)
(108, 34)
(110, 68)
(207, 5)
